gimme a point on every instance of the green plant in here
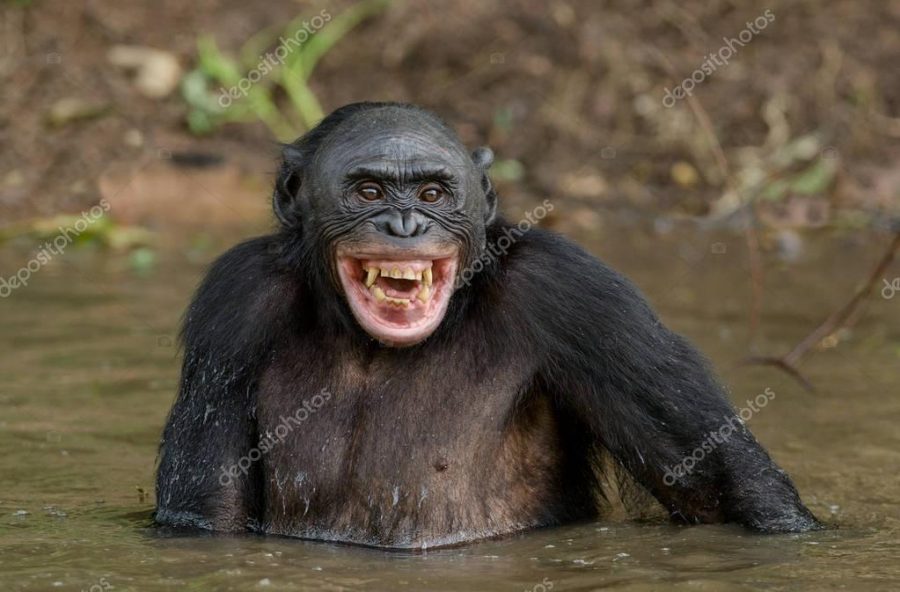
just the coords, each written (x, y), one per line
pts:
(289, 76)
(102, 231)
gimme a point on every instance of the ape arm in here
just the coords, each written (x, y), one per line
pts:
(647, 396)
(227, 334)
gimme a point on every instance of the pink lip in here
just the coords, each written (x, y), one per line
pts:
(398, 312)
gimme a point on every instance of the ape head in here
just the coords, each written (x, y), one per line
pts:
(393, 206)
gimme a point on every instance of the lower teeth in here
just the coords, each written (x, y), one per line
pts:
(423, 295)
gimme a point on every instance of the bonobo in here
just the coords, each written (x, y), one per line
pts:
(367, 374)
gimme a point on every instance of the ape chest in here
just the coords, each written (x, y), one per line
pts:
(391, 428)
(407, 459)
(351, 416)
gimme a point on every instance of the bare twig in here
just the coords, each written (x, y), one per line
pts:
(837, 319)
(781, 364)
(833, 323)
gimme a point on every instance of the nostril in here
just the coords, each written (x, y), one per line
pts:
(401, 224)
(399, 227)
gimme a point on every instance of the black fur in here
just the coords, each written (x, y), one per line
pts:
(549, 379)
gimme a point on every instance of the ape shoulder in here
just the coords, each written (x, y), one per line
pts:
(241, 305)
(588, 320)
(571, 295)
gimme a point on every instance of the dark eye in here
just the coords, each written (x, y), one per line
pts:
(431, 193)
(369, 192)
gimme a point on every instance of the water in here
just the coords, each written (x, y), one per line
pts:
(88, 371)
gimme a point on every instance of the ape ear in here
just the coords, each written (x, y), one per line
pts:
(287, 186)
(483, 158)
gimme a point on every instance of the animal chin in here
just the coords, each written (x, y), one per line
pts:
(398, 301)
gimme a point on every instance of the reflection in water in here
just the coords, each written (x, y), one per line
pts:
(88, 369)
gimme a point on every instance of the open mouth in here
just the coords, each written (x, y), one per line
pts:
(399, 302)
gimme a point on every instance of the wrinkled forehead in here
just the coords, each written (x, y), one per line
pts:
(393, 144)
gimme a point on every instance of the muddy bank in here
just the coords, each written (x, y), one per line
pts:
(570, 94)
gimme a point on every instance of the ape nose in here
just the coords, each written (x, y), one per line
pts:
(401, 224)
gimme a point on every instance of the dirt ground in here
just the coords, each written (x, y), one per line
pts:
(569, 91)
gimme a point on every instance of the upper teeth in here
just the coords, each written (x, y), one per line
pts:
(408, 273)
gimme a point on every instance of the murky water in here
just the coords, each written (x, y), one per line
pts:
(88, 371)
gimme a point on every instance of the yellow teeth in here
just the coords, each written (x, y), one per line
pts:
(401, 274)
(380, 296)
(398, 302)
(425, 276)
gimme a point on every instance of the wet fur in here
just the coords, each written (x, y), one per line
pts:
(550, 393)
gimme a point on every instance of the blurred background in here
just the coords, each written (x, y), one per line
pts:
(806, 115)
(739, 160)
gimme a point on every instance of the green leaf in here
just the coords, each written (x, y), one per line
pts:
(507, 170)
(775, 191)
(815, 180)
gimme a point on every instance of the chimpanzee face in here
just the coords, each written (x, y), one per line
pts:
(401, 206)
